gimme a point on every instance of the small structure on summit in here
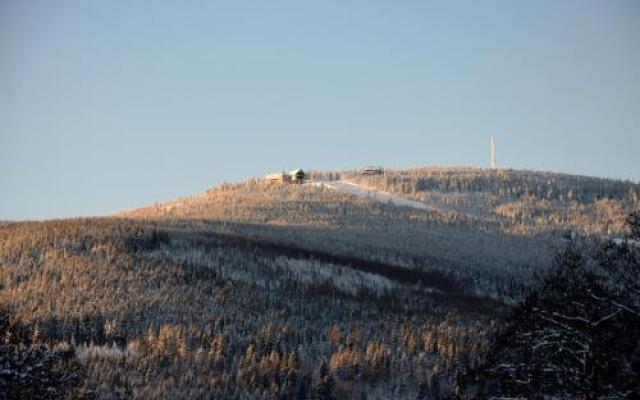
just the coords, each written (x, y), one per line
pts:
(372, 170)
(278, 177)
(298, 176)
(295, 176)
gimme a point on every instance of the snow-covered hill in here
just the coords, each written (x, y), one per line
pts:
(254, 290)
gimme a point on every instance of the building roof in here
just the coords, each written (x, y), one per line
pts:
(276, 175)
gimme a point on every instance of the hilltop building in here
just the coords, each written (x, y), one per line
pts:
(298, 176)
(295, 176)
(278, 177)
(372, 170)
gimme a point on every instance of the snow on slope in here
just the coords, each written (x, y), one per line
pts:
(376, 195)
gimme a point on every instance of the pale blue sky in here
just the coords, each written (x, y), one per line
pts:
(106, 105)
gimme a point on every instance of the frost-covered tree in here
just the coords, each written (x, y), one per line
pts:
(323, 386)
(35, 371)
(577, 334)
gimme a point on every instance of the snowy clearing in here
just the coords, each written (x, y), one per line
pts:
(361, 191)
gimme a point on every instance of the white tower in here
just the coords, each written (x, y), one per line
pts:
(494, 163)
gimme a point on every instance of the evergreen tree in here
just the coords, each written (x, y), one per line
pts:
(564, 340)
(35, 371)
(323, 386)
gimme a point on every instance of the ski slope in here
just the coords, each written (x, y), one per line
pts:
(376, 195)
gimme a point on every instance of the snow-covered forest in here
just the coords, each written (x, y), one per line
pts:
(509, 284)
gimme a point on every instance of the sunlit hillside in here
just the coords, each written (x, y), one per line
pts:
(524, 202)
(514, 201)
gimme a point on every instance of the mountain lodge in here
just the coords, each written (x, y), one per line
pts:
(372, 170)
(295, 176)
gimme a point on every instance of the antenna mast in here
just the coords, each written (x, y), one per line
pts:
(494, 163)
